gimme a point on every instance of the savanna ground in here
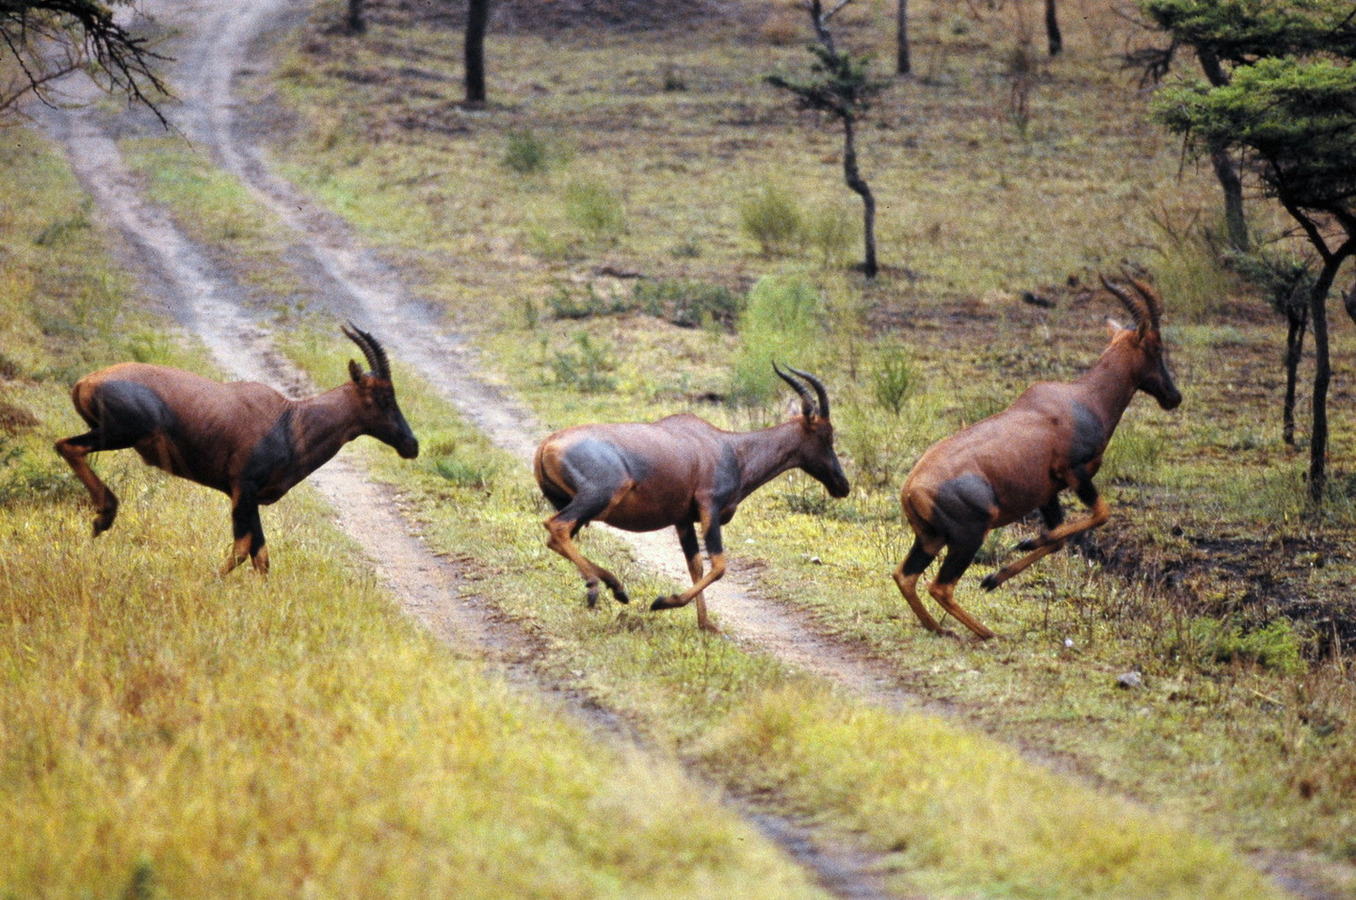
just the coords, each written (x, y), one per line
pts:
(587, 231)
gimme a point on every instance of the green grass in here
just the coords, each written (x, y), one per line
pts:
(1239, 744)
(166, 731)
(954, 812)
(972, 213)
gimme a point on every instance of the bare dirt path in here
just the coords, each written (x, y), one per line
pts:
(208, 303)
(226, 44)
(219, 43)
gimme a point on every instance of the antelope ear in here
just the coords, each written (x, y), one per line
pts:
(1113, 327)
(355, 372)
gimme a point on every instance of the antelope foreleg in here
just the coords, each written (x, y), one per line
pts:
(700, 581)
(75, 450)
(1048, 543)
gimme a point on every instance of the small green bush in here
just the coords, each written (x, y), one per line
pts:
(595, 209)
(773, 218)
(893, 379)
(688, 303)
(830, 230)
(781, 322)
(586, 368)
(525, 153)
(1274, 646)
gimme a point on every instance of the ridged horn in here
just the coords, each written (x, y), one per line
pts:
(372, 350)
(1137, 308)
(822, 394)
(1151, 298)
(806, 403)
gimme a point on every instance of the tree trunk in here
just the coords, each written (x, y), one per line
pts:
(354, 20)
(1226, 170)
(1054, 40)
(477, 21)
(1318, 439)
(902, 64)
(855, 181)
(1296, 324)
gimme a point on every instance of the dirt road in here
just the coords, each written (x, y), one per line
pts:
(218, 43)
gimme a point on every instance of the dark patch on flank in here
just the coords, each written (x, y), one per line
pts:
(963, 506)
(124, 412)
(727, 479)
(592, 461)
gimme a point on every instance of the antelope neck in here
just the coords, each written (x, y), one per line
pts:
(763, 455)
(1109, 385)
(323, 424)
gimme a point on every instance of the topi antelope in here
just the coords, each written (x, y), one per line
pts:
(999, 469)
(242, 438)
(682, 472)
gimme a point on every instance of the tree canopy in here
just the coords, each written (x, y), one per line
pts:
(1296, 119)
(44, 40)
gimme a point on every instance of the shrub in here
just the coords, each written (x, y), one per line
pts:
(830, 230)
(525, 153)
(781, 321)
(1274, 646)
(773, 218)
(893, 379)
(688, 303)
(595, 208)
(584, 369)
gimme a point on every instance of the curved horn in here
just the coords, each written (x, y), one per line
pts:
(806, 404)
(822, 394)
(376, 356)
(1138, 309)
(1151, 299)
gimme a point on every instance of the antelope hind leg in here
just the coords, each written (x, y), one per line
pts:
(75, 450)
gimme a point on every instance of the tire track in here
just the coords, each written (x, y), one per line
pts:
(208, 303)
(224, 45)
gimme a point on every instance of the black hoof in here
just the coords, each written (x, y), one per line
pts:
(621, 596)
(591, 597)
(990, 582)
(1028, 545)
(662, 603)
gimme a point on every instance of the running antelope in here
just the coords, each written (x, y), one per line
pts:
(997, 470)
(682, 472)
(243, 438)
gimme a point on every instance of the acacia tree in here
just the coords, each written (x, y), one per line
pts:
(43, 40)
(1294, 121)
(1224, 34)
(839, 86)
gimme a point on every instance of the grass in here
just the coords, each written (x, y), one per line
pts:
(921, 791)
(1205, 502)
(165, 731)
(1251, 750)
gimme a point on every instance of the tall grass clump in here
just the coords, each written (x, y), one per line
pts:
(772, 217)
(595, 209)
(782, 323)
(1189, 271)
(525, 153)
(830, 231)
